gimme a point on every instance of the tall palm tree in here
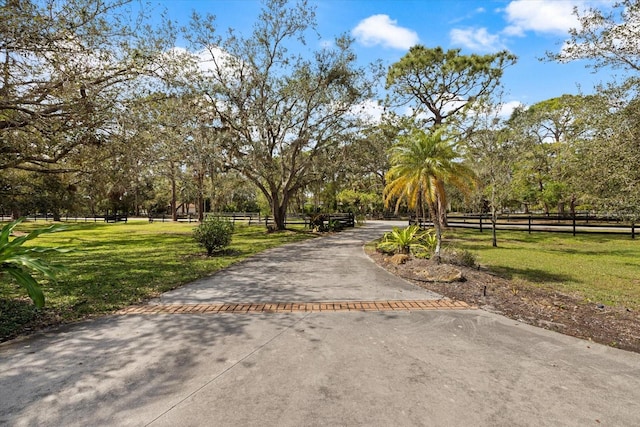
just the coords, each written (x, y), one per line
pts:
(421, 164)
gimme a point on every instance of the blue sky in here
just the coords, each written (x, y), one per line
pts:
(385, 29)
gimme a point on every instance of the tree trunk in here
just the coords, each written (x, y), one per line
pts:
(435, 217)
(279, 212)
(494, 218)
(442, 212)
(174, 196)
(200, 197)
(15, 213)
(573, 206)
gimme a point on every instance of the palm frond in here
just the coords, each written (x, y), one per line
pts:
(18, 260)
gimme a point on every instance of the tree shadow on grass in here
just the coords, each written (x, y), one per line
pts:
(533, 275)
(15, 315)
(618, 253)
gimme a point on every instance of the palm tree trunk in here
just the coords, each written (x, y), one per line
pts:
(438, 227)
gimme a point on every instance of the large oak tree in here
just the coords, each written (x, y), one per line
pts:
(282, 105)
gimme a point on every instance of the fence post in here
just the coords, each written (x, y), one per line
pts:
(633, 230)
(529, 223)
(481, 223)
(574, 224)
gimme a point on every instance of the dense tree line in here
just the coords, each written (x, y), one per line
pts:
(99, 110)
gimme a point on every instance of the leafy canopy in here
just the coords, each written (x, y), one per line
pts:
(444, 84)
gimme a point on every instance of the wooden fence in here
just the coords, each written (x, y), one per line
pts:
(574, 224)
(249, 217)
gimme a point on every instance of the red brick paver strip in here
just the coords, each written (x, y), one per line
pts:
(296, 307)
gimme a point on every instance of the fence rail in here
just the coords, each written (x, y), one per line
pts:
(249, 217)
(321, 221)
(72, 218)
(537, 223)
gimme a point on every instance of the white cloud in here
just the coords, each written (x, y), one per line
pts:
(212, 59)
(477, 39)
(541, 16)
(507, 108)
(382, 30)
(369, 111)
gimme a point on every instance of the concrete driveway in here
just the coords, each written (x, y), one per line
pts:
(375, 368)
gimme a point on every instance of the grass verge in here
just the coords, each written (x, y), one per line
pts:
(599, 268)
(116, 265)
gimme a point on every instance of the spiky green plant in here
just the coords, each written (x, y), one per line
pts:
(19, 261)
(405, 240)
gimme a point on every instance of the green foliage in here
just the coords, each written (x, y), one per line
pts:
(421, 164)
(358, 201)
(607, 37)
(316, 222)
(214, 234)
(458, 256)
(324, 223)
(18, 261)
(116, 265)
(334, 225)
(290, 113)
(600, 268)
(424, 75)
(407, 240)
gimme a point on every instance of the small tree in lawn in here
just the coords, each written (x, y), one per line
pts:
(214, 234)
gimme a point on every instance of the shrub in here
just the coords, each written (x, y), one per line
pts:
(334, 225)
(214, 234)
(18, 261)
(458, 257)
(407, 240)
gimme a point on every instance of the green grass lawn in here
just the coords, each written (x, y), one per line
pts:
(600, 268)
(116, 265)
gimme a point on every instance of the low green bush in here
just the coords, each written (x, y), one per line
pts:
(408, 240)
(456, 256)
(214, 234)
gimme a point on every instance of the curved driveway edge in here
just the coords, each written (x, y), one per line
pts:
(363, 368)
(331, 268)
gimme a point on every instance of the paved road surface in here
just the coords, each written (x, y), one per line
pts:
(400, 368)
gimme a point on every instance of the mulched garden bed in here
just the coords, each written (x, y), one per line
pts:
(544, 307)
